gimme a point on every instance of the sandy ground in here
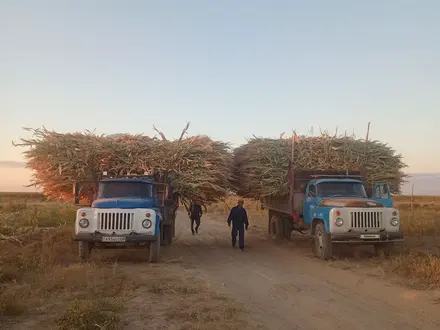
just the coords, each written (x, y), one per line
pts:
(283, 288)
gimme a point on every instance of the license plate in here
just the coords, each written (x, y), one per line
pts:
(370, 236)
(113, 238)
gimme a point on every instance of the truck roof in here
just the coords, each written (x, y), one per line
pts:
(144, 180)
(337, 180)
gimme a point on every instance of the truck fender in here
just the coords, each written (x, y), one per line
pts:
(315, 221)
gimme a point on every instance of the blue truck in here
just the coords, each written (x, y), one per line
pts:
(126, 212)
(334, 208)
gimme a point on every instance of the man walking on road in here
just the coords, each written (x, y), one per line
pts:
(239, 219)
(195, 214)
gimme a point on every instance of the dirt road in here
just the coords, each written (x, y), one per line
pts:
(284, 289)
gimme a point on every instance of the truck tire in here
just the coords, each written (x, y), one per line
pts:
(323, 244)
(84, 250)
(269, 222)
(287, 228)
(276, 227)
(280, 228)
(155, 249)
(167, 235)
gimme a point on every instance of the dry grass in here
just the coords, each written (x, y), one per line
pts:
(419, 261)
(191, 305)
(88, 314)
(39, 272)
(21, 196)
(42, 285)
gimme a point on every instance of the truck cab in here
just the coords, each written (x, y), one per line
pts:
(127, 212)
(338, 210)
(335, 209)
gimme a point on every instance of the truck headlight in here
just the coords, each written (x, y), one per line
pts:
(394, 222)
(146, 223)
(339, 222)
(83, 223)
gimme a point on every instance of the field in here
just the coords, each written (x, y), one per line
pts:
(42, 285)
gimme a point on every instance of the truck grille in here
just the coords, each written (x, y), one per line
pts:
(366, 219)
(115, 221)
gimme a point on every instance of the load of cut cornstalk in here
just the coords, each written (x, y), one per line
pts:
(262, 165)
(197, 166)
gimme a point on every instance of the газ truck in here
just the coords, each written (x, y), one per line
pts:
(128, 212)
(335, 209)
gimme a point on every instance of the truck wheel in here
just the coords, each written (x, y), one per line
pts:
(269, 223)
(287, 228)
(167, 235)
(280, 228)
(84, 250)
(155, 249)
(384, 248)
(323, 244)
(276, 227)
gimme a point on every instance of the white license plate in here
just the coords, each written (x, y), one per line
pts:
(113, 239)
(370, 236)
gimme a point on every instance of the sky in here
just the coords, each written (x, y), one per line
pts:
(231, 68)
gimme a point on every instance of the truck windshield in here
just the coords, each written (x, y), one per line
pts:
(341, 189)
(125, 189)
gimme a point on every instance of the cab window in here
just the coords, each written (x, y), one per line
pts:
(114, 189)
(312, 190)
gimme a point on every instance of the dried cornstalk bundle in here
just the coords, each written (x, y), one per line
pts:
(262, 165)
(197, 167)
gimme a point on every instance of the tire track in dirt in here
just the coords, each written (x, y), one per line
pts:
(283, 289)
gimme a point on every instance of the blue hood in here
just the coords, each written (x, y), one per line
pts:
(124, 203)
(349, 202)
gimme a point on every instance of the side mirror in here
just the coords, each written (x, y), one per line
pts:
(381, 191)
(76, 196)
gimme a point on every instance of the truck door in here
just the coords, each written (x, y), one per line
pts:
(309, 203)
(382, 194)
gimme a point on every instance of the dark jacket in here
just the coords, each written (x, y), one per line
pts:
(195, 211)
(238, 217)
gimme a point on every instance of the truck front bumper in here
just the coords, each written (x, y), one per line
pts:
(102, 238)
(367, 238)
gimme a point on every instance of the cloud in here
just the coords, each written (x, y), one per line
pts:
(12, 164)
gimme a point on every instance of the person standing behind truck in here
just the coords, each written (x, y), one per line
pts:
(195, 214)
(239, 219)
